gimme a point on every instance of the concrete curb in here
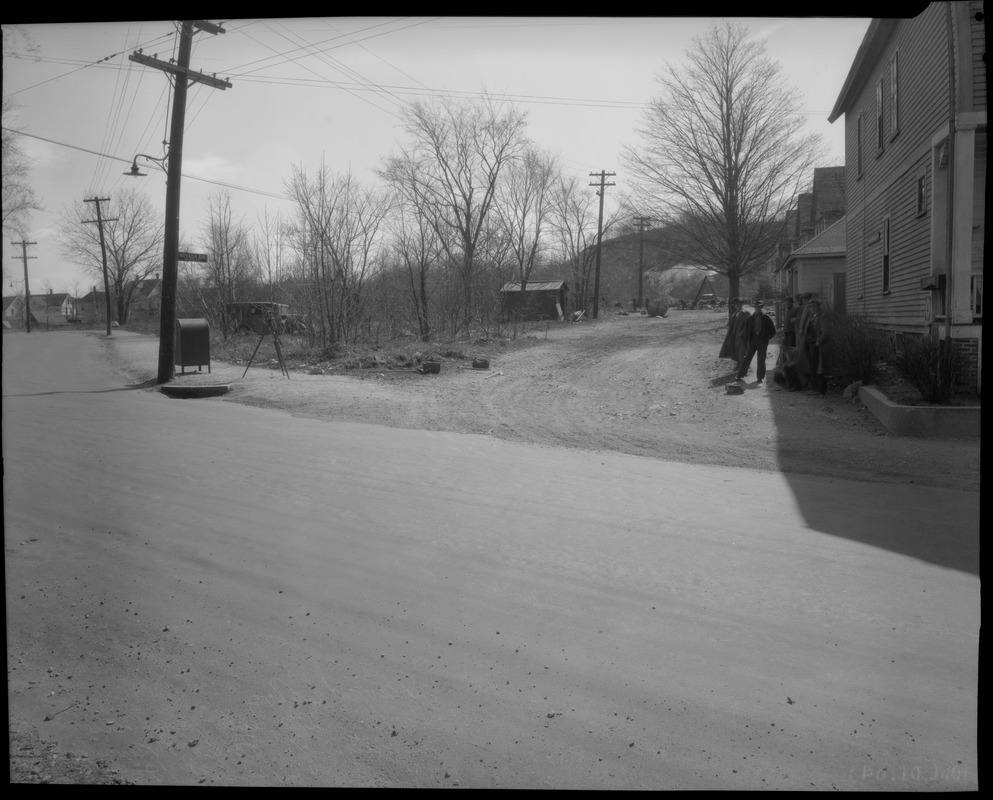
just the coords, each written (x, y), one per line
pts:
(921, 420)
(187, 392)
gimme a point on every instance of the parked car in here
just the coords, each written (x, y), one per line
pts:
(262, 316)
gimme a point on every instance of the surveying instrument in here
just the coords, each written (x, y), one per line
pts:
(270, 327)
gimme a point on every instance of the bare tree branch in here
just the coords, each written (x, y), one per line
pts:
(19, 198)
(133, 232)
(724, 153)
(451, 171)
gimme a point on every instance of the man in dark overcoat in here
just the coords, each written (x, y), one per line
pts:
(818, 342)
(760, 329)
(736, 339)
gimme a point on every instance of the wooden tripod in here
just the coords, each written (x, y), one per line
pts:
(271, 331)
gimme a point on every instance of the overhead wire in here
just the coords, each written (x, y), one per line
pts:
(82, 65)
(117, 120)
(314, 50)
(309, 47)
(186, 176)
(319, 56)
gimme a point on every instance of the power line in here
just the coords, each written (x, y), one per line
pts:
(129, 161)
(321, 56)
(332, 39)
(83, 65)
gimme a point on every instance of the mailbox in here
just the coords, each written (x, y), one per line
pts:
(192, 343)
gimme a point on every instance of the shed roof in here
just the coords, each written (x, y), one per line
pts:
(48, 300)
(536, 286)
(829, 242)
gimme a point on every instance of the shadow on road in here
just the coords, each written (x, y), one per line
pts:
(954, 545)
(143, 385)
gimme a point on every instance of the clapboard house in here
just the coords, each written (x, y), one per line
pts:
(914, 104)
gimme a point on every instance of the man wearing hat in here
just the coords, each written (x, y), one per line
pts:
(792, 316)
(817, 338)
(761, 329)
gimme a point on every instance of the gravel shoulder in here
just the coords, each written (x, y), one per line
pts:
(646, 386)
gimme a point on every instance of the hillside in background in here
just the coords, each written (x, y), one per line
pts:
(664, 277)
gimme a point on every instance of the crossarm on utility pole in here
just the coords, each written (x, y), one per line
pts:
(27, 290)
(599, 236)
(103, 251)
(170, 249)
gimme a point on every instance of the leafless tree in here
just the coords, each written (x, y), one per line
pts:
(269, 250)
(723, 153)
(419, 253)
(340, 231)
(524, 208)
(133, 232)
(19, 198)
(451, 169)
(574, 223)
(230, 266)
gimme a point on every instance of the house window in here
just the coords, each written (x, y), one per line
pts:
(977, 296)
(886, 255)
(894, 98)
(858, 146)
(879, 116)
(922, 194)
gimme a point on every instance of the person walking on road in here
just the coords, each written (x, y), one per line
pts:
(760, 329)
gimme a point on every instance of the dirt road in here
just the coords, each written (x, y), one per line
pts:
(199, 592)
(633, 384)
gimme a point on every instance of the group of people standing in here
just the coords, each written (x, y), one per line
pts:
(803, 355)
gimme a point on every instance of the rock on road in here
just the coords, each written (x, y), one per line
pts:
(204, 592)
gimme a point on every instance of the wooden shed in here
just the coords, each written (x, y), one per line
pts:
(539, 300)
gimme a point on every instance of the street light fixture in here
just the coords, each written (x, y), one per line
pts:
(134, 172)
(179, 68)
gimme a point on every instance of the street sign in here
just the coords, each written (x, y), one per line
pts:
(192, 257)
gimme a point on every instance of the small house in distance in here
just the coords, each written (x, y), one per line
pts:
(539, 300)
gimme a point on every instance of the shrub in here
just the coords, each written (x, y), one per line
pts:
(932, 365)
(856, 348)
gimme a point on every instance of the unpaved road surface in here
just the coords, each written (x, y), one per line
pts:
(204, 592)
(647, 386)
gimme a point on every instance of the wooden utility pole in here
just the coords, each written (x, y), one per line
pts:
(103, 250)
(27, 291)
(642, 223)
(599, 235)
(182, 75)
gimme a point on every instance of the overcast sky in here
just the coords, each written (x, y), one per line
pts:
(332, 88)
